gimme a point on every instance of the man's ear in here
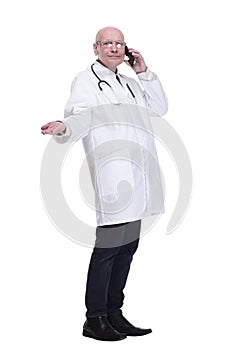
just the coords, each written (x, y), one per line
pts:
(95, 48)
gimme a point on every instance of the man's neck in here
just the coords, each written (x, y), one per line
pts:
(114, 70)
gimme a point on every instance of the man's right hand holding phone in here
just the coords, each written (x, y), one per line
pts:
(139, 65)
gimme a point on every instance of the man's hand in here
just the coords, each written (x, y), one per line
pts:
(139, 63)
(53, 128)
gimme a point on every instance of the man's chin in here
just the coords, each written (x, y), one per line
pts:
(114, 61)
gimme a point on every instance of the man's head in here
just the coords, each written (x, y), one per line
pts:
(110, 47)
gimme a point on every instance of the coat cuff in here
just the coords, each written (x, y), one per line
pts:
(64, 136)
(147, 75)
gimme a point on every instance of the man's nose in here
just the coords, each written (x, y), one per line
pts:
(114, 47)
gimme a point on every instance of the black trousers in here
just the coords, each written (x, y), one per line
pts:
(109, 267)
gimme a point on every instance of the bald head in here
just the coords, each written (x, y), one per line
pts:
(110, 56)
(109, 33)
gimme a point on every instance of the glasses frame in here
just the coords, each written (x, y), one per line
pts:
(109, 43)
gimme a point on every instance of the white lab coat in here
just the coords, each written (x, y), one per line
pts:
(118, 140)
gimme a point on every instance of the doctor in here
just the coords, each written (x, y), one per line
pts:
(110, 112)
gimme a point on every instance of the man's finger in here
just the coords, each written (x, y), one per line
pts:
(49, 131)
(45, 126)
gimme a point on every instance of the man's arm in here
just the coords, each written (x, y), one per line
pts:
(76, 114)
(153, 93)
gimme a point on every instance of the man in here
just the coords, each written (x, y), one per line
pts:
(100, 93)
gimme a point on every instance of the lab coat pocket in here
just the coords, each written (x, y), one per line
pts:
(114, 179)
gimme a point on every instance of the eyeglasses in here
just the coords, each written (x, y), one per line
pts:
(109, 44)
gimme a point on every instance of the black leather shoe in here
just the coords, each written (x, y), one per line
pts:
(120, 323)
(99, 328)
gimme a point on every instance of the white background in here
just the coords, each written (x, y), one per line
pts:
(180, 285)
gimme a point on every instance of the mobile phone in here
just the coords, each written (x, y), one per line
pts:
(130, 56)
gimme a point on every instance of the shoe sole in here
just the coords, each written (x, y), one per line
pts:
(91, 335)
(138, 335)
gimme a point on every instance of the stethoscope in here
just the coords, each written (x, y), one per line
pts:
(101, 82)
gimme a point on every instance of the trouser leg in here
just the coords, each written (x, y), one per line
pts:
(109, 267)
(100, 269)
(121, 267)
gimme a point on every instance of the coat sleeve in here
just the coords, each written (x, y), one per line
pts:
(80, 90)
(153, 93)
(77, 113)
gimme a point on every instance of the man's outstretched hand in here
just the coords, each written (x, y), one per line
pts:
(53, 128)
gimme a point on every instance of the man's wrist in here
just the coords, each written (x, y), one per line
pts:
(147, 75)
(63, 131)
(142, 71)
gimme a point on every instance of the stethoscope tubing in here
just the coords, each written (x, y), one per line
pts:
(105, 82)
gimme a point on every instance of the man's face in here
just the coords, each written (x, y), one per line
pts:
(110, 56)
